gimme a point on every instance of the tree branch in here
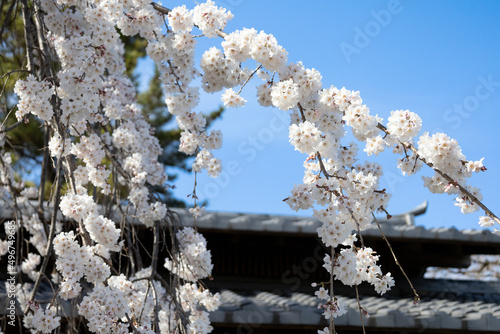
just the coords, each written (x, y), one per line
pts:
(50, 237)
(448, 178)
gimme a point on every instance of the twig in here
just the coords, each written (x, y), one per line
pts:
(360, 309)
(357, 225)
(162, 281)
(13, 126)
(13, 71)
(54, 297)
(156, 307)
(248, 79)
(135, 252)
(7, 81)
(160, 8)
(131, 324)
(416, 296)
(318, 155)
(50, 237)
(154, 263)
(43, 178)
(322, 166)
(332, 255)
(177, 79)
(301, 112)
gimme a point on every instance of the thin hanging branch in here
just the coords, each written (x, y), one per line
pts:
(332, 295)
(50, 237)
(43, 178)
(154, 264)
(28, 34)
(416, 296)
(360, 309)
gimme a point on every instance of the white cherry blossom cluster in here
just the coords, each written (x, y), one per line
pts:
(206, 160)
(7, 176)
(70, 263)
(219, 71)
(29, 265)
(486, 221)
(305, 136)
(103, 231)
(238, 44)
(285, 94)
(232, 99)
(4, 247)
(34, 98)
(210, 18)
(446, 155)
(333, 307)
(135, 291)
(99, 177)
(175, 57)
(353, 266)
(308, 79)
(103, 308)
(194, 261)
(333, 231)
(199, 322)
(59, 147)
(107, 306)
(266, 51)
(443, 152)
(375, 145)
(349, 192)
(82, 208)
(46, 320)
(264, 95)
(38, 237)
(244, 44)
(180, 19)
(77, 206)
(74, 261)
(197, 211)
(192, 297)
(363, 124)
(404, 125)
(89, 149)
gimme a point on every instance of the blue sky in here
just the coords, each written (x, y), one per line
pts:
(440, 59)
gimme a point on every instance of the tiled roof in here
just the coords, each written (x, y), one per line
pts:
(483, 267)
(445, 304)
(399, 226)
(452, 308)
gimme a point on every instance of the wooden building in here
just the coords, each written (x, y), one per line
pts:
(264, 266)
